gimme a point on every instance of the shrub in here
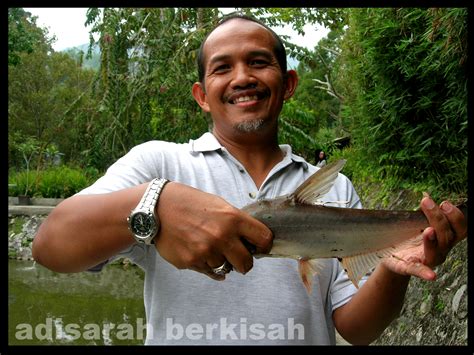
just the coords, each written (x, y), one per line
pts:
(21, 183)
(55, 182)
(61, 182)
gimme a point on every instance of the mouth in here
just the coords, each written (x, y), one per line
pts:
(245, 96)
(244, 99)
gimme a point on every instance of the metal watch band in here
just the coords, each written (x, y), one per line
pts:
(152, 194)
(143, 221)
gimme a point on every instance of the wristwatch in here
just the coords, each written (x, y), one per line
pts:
(143, 222)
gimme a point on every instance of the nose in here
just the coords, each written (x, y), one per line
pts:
(243, 77)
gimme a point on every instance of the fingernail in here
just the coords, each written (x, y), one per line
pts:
(248, 267)
(268, 235)
(446, 206)
(432, 235)
(428, 202)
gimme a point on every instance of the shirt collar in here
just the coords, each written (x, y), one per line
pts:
(289, 155)
(208, 143)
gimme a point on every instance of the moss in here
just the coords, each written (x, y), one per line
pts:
(15, 224)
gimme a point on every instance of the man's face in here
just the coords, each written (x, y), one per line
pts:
(244, 86)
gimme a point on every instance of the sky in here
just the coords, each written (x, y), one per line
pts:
(67, 24)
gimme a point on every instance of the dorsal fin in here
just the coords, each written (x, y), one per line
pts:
(318, 184)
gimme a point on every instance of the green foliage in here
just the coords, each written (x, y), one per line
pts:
(142, 88)
(54, 182)
(147, 69)
(19, 184)
(23, 34)
(47, 99)
(404, 74)
(297, 128)
(395, 80)
(61, 182)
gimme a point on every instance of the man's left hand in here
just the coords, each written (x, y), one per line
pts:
(448, 226)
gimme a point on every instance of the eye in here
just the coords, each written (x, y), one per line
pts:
(259, 63)
(222, 68)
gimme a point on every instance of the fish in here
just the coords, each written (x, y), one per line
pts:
(308, 230)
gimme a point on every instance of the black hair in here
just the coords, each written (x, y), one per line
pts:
(279, 48)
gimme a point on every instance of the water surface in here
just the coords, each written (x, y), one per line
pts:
(103, 308)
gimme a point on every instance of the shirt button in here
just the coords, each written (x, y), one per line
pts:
(252, 195)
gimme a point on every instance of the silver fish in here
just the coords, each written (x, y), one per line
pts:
(306, 230)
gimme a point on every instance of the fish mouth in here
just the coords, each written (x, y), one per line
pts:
(246, 96)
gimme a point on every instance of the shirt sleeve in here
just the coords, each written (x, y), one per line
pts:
(141, 164)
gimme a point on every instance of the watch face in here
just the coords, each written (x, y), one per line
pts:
(142, 224)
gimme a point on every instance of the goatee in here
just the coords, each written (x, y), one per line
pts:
(250, 126)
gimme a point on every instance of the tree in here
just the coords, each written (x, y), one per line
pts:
(44, 92)
(23, 34)
(404, 74)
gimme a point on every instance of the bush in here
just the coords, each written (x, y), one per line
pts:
(18, 182)
(55, 182)
(61, 182)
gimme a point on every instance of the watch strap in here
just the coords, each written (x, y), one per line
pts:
(152, 194)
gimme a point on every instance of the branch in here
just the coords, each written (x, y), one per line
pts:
(331, 50)
(328, 87)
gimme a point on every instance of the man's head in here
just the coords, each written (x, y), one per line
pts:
(244, 78)
(279, 48)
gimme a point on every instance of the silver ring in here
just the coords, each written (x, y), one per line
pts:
(223, 269)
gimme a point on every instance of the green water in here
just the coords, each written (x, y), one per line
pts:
(104, 308)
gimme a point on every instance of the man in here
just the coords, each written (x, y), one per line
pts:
(243, 84)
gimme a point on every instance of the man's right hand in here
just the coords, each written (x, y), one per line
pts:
(200, 231)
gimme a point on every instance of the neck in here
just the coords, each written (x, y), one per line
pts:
(258, 155)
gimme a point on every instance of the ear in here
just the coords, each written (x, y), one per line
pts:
(291, 83)
(200, 96)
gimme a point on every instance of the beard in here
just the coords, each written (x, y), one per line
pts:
(250, 126)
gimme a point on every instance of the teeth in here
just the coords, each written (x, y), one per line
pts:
(245, 99)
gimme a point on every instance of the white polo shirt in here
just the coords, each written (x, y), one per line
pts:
(268, 305)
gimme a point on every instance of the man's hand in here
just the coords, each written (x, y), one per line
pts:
(200, 231)
(380, 299)
(448, 226)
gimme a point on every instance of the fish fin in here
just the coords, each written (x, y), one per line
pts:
(358, 265)
(319, 183)
(307, 269)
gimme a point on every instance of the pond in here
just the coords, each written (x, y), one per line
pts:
(48, 308)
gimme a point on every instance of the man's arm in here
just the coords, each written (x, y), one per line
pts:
(198, 230)
(85, 230)
(380, 299)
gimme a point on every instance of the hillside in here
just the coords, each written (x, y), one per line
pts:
(89, 63)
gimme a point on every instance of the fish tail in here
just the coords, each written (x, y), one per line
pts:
(307, 268)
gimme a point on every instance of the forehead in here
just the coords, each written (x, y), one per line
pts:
(238, 34)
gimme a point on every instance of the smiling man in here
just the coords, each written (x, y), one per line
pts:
(243, 84)
(185, 201)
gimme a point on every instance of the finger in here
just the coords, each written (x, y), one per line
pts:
(439, 222)
(457, 220)
(256, 233)
(215, 261)
(432, 255)
(239, 256)
(420, 270)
